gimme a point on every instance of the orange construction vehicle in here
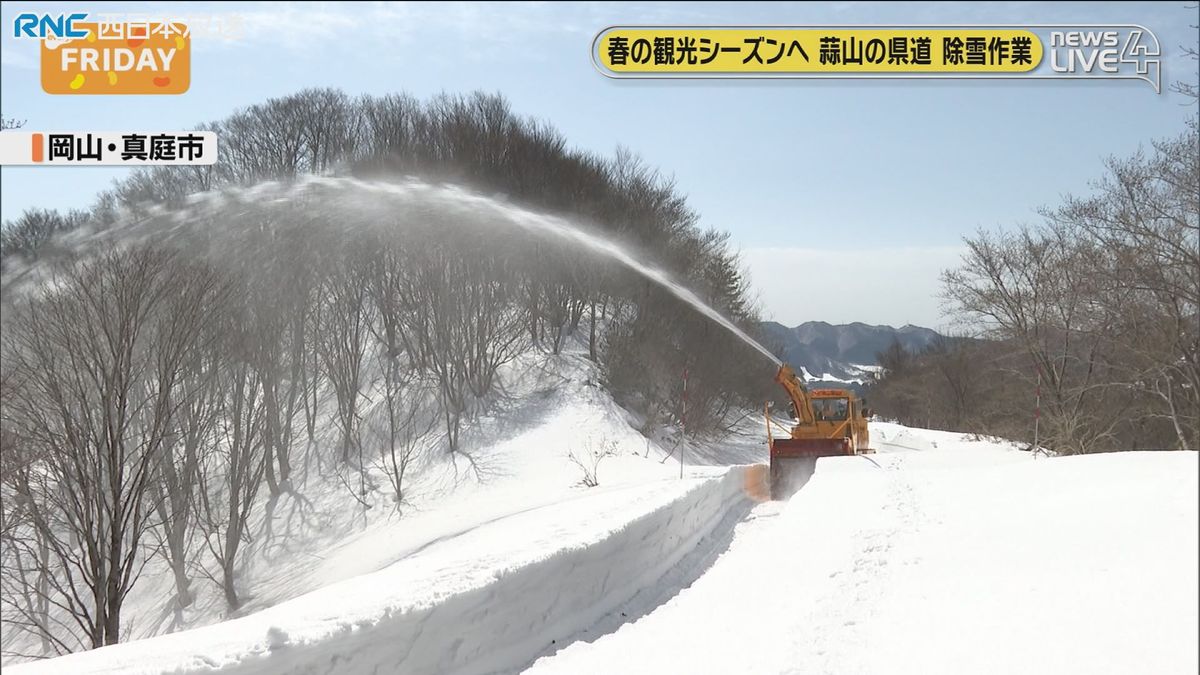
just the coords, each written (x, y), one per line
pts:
(829, 423)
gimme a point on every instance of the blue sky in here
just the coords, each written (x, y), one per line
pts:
(870, 184)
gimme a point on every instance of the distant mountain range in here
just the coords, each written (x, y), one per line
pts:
(844, 352)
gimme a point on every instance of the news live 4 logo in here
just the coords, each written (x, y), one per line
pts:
(1089, 51)
(100, 57)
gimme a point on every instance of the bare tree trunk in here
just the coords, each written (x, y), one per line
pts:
(592, 333)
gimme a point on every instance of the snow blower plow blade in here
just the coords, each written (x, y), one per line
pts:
(793, 461)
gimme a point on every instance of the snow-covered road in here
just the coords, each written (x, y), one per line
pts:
(940, 555)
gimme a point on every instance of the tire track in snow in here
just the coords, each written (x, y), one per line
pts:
(840, 613)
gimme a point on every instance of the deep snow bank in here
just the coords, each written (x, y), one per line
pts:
(490, 599)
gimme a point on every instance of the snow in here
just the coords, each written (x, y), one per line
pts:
(942, 553)
(469, 576)
(962, 556)
(867, 371)
(518, 446)
(489, 599)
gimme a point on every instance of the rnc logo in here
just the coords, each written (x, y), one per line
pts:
(46, 26)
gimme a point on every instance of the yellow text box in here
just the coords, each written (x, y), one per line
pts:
(666, 50)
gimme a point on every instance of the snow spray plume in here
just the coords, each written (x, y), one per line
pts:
(336, 200)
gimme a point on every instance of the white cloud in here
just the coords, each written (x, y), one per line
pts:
(882, 286)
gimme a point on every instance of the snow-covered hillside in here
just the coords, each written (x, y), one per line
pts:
(939, 554)
(324, 572)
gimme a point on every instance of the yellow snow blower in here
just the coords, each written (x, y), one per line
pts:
(829, 423)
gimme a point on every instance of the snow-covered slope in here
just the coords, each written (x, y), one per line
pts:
(515, 458)
(490, 599)
(507, 541)
(941, 555)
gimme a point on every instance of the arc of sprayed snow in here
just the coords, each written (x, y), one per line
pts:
(547, 224)
(457, 197)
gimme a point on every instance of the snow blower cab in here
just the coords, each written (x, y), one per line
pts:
(829, 423)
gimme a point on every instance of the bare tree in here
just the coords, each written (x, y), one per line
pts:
(100, 358)
(25, 557)
(284, 300)
(177, 475)
(341, 342)
(466, 322)
(402, 428)
(588, 461)
(308, 131)
(29, 235)
(1143, 222)
(406, 420)
(1033, 287)
(232, 471)
(1190, 89)
(1103, 301)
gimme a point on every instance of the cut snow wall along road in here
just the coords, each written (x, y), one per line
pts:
(499, 625)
